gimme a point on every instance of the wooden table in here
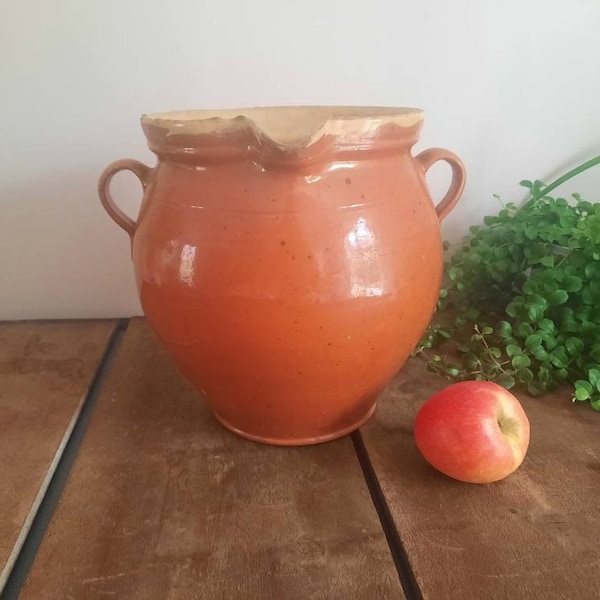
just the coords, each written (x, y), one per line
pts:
(116, 482)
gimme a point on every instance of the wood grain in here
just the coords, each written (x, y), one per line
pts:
(45, 372)
(162, 502)
(534, 535)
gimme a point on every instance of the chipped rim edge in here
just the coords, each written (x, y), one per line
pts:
(340, 121)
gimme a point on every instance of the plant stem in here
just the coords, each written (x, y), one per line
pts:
(588, 164)
(487, 348)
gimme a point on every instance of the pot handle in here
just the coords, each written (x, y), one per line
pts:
(459, 176)
(117, 215)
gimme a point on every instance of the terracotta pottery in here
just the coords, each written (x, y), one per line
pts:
(288, 258)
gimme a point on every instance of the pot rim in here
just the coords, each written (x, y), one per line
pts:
(286, 126)
(281, 135)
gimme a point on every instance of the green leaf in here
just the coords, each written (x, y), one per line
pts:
(586, 385)
(583, 312)
(487, 331)
(530, 287)
(525, 375)
(592, 270)
(572, 283)
(544, 373)
(535, 311)
(574, 346)
(587, 297)
(470, 361)
(506, 381)
(535, 251)
(549, 341)
(582, 394)
(594, 376)
(536, 300)
(533, 342)
(524, 329)
(495, 352)
(455, 273)
(595, 352)
(513, 350)
(558, 297)
(561, 374)
(511, 310)
(474, 258)
(521, 362)
(559, 358)
(546, 325)
(516, 252)
(504, 328)
(547, 261)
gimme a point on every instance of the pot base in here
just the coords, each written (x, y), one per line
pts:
(309, 441)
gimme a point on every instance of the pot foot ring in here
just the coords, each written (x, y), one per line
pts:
(295, 441)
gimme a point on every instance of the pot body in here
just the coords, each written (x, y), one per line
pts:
(289, 285)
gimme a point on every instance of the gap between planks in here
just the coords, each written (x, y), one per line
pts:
(23, 554)
(399, 555)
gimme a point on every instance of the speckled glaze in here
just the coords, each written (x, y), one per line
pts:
(288, 258)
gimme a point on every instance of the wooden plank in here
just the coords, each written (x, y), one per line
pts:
(162, 502)
(534, 535)
(45, 372)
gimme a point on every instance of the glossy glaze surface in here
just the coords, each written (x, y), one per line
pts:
(289, 283)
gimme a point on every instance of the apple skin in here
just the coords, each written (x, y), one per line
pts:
(473, 431)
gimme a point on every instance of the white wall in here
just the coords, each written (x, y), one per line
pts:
(512, 86)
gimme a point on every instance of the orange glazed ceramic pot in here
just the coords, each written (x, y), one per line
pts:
(288, 258)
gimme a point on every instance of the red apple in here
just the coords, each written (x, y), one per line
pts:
(474, 431)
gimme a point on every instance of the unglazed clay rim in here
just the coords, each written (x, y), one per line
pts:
(286, 126)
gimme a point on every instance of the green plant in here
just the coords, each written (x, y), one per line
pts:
(522, 305)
